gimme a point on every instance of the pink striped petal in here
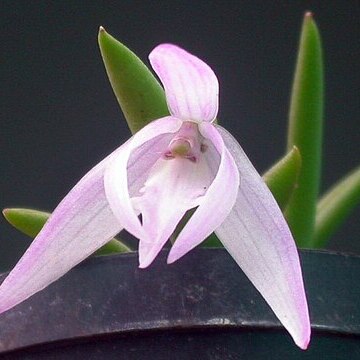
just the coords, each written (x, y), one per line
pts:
(173, 187)
(80, 224)
(215, 205)
(258, 238)
(143, 159)
(118, 173)
(191, 87)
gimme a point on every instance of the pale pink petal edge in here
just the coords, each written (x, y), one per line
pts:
(256, 235)
(80, 224)
(191, 87)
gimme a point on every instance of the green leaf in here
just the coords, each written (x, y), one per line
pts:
(141, 97)
(30, 222)
(282, 177)
(305, 132)
(114, 246)
(335, 206)
(212, 241)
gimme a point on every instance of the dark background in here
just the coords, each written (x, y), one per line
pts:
(59, 116)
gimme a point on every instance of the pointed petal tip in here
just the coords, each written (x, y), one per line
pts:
(301, 330)
(143, 261)
(309, 15)
(176, 253)
(303, 343)
(146, 262)
(146, 258)
(171, 258)
(101, 29)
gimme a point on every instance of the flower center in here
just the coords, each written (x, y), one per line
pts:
(180, 147)
(185, 144)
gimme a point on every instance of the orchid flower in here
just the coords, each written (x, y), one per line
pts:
(180, 162)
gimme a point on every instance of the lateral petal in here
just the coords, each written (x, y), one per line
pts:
(80, 225)
(258, 238)
(120, 170)
(191, 87)
(217, 203)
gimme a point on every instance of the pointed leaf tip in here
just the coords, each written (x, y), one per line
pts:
(305, 131)
(282, 177)
(28, 221)
(139, 94)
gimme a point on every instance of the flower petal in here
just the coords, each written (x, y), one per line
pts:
(217, 202)
(119, 172)
(173, 187)
(80, 224)
(256, 235)
(191, 87)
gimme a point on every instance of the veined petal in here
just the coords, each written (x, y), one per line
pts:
(143, 159)
(256, 235)
(217, 203)
(173, 187)
(119, 171)
(80, 224)
(191, 87)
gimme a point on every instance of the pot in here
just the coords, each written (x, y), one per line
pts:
(201, 307)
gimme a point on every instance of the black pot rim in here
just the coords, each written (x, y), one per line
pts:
(205, 290)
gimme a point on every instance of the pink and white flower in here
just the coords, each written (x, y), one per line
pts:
(180, 162)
